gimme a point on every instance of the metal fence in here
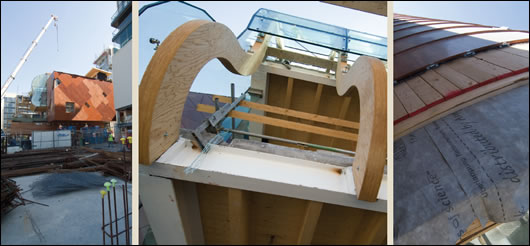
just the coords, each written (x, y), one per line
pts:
(51, 139)
(91, 137)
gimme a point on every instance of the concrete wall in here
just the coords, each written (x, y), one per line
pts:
(122, 76)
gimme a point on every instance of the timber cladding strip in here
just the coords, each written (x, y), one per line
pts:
(188, 48)
(435, 93)
(421, 43)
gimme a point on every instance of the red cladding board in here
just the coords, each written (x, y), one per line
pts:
(82, 91)
(421, 42)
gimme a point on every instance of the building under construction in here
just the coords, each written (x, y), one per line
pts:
(297, 158)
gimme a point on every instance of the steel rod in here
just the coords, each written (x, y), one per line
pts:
(290, 141)
(103, 216)
(110, 220)
(126, 211)
(125, 215)
(233, 97)
(115, 214)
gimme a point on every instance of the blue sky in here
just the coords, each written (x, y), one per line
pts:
(84, 31)
(510, 14)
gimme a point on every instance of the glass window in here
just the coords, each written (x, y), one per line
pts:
(69, 107)
(316, 33)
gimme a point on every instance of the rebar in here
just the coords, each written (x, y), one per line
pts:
(115, 212)
(103, 214)
(126, 214)
(127, 207)
(110, 219)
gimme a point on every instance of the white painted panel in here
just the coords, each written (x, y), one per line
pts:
(122, 76)
(267, 173)
(158, 198)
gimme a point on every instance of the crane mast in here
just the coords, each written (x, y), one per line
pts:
(26, 55)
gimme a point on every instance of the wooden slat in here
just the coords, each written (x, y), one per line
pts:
(314, 108)
(417, 59)
(477, 69)
(289, 93)
(293, 113)
(408, 98)
(399, 110)
(309, 224)
(399, 38)
(518, 49)
(459, 80)
(287, 100)
(504, 59)
(301, 58)
(283, 123)
(342, 114)
(459, 102)
(409, 41)
(426, 93)
(238, 218)
(475, 230)
(442, 85)
(404, 26)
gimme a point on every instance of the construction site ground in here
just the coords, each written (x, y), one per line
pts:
(69, 218)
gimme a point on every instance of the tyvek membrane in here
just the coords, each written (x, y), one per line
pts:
(470, 164)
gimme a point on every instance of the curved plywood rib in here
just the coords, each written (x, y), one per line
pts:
(368, 76)
(170, 73)
(188, 48)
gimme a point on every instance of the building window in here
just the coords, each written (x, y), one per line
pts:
(57, 82)
(69, 107)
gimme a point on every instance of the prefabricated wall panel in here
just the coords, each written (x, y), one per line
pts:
(273, 219)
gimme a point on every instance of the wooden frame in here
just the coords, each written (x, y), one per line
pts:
(188, 48)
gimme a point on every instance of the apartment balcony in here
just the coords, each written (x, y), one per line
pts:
(124, 9)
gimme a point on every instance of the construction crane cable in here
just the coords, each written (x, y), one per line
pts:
(57, 31)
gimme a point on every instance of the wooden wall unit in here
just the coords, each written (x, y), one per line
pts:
(234, 216)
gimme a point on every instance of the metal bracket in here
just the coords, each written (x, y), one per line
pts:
(470, 53)
(432, 66)
(212, 123)
(504, 45)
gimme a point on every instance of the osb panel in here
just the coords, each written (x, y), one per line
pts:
(81, 91)
(276, 219)
(302, 99)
